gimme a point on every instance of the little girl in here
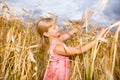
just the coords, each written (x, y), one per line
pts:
(59, 64)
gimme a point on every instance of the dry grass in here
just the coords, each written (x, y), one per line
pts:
(99, 63)
(20, 57)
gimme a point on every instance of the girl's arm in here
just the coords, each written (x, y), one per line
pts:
(69, 51)
(67, 35)
(61, 49)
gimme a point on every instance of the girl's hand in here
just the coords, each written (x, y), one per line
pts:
(100, 33)
(87, 15)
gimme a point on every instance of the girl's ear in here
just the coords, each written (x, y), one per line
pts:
(46, 34)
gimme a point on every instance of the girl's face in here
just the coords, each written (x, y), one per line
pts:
(54, 31)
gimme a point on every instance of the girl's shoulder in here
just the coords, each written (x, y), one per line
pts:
(56, 42)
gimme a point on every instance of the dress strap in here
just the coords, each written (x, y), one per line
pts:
(65, 48)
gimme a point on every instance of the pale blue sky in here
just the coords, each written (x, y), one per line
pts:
(71, 9)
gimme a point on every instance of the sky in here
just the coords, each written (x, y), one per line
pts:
(106, 12)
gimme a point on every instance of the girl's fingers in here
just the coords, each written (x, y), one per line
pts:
(87, 15)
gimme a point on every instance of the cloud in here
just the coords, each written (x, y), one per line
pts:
(71, 9)
(14, 1)
(64, 9)
(113, 10)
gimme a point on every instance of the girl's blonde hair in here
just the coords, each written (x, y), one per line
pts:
(44, 24)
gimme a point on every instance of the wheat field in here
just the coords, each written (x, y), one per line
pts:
(21, 58)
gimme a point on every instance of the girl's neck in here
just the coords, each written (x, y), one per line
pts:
(54, 38)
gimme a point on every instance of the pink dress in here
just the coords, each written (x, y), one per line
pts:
(58, 67)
